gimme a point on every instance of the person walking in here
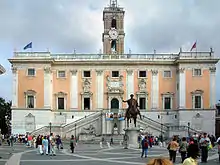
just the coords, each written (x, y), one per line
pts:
(204, 143)
(72, 144)
(183, 148)
(193, 152)
(45, 145)
(173, 147)
(144, 144)
(52, 145)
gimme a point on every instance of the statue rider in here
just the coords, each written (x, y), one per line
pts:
(129, 101)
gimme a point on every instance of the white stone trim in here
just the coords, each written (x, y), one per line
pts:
(112, 97)
(61, 71)
(47, 87)
(182, 88)
(138, 73)
(87, 70)
(100, 89)
(197, 93)
(74, 89)
(193, 71)
(155, 90)
(15, 87)
(167, 71)
(171, 96)
(130, 82)
(61, 95)
(142, 95)
(85, 95)
(212, 98)
(30, 93)
(35, 72)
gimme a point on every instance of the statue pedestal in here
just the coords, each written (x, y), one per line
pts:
(132, 137)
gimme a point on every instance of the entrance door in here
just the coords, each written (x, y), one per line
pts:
(114, 103)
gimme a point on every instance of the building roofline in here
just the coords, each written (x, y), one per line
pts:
(2, 69)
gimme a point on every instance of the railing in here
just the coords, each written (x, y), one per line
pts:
(80, 121)
(69, 57)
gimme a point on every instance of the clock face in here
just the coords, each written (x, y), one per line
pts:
(113, 34)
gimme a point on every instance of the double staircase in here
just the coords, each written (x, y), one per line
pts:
(96, 119)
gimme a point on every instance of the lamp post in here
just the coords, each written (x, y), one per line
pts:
(50, 127)
(6, 123)
(75, 131)
(161, 131)
(188, 129)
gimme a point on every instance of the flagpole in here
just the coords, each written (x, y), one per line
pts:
(196, 48)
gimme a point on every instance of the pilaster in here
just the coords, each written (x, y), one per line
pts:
(130, 83)
(15, 87)
(155, 90)
(74, 90)
(182, 88)
(48, 87)
(99, 89)
(212, 87)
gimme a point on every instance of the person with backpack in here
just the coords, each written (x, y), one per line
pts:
(144, 144)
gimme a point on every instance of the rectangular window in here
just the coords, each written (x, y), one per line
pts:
(167, 103)
(142, 102)
(167, 74)
(197, 72)
(61, 103)
(31, 72)
(115, 73)
(61, 74)
(86, 74)
(142, 74)
(30, 101)
(198, 102)
(86, 103)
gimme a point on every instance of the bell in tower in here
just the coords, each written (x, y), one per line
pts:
(113, 35)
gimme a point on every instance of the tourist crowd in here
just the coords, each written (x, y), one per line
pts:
(190, 149)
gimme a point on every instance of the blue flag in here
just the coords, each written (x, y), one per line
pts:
(28, 46)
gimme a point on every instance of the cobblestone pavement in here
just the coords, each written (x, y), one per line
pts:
(93, 155)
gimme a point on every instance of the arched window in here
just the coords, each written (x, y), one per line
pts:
(113, 46)
(114, 23)
(114, 103)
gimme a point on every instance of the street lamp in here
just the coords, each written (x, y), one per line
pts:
(50, 127)
(75, 131)
(188, 129)
(161, 131)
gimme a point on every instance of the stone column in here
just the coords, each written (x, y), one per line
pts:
(99, 89)
(47, 88)
(130, 83)
(74, 90)
(103, 124)
(155, 90)
(15, 87)
(182, 88)
(212, 89)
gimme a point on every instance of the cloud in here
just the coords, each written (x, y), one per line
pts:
(63, 26)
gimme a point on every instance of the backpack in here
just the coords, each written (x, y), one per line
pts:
(146, 143)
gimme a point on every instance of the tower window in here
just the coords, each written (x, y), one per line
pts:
(114, 23)
(113, 46)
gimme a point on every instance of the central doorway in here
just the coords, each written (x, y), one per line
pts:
(114, 103)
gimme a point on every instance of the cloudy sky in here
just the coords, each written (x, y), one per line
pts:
(65, 25)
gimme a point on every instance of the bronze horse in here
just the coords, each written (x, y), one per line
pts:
(133, 112)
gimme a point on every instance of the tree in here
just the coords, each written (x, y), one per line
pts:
(5, 116)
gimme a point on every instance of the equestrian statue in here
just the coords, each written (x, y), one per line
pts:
(132, 111)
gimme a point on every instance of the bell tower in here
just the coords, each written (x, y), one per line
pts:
(113, 35)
